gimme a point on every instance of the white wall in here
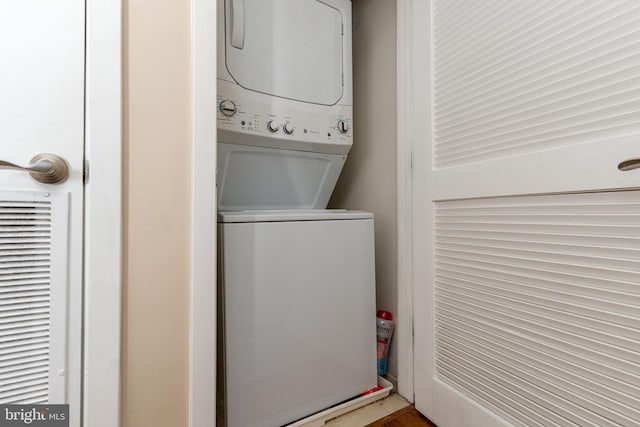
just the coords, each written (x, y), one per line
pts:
(368, 181)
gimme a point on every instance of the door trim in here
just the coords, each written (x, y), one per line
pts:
(103, 215)
(422, 209)
(415, 213)
(404, 330)
(202, 342)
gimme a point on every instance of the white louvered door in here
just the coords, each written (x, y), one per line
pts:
(41, 111)
(528, 287)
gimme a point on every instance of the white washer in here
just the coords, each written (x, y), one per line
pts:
(298, 293)
(284, 102)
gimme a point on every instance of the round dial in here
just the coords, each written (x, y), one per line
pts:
(273, 126)
(288, 128)
(343, 126)
(228, 108)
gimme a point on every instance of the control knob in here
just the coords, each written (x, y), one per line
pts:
(273, 126)
(228, 108)
(343, 126)
(288, 128)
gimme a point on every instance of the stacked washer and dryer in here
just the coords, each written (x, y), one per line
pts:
(296, 281)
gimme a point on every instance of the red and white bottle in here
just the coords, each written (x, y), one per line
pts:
(384, 331)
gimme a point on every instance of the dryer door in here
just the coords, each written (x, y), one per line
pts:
(287, 48)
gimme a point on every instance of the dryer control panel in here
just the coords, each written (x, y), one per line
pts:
(254, 114)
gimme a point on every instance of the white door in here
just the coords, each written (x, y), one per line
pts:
(41, 224)
(528, 258)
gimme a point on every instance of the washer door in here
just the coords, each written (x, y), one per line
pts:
(287, 48)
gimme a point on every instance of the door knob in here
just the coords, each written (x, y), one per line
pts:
(46, 168)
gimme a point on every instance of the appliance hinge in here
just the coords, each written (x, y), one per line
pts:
(85, 172)
(342, 28)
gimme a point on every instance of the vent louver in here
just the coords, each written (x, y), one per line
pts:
(25, 300)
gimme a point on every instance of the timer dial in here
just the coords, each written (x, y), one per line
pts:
(272, 126)
(228, 108)
(288, 128)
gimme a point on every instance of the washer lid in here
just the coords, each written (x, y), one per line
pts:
(292, 215)
(287, 48)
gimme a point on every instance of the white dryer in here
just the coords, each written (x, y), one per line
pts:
(284, 102)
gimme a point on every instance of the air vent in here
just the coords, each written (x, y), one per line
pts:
(34, 229)
(25, 297)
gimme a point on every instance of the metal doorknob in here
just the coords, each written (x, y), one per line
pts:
(46, 168)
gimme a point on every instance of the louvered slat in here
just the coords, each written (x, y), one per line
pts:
(26, 335)
(517, 77)
(17, 370)
(29, 396)
(25, 278)
(29, 322)
(25, 271)
(11, 392)
(538, 300)
(25, 354)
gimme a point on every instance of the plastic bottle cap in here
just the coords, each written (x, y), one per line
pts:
(384, 315)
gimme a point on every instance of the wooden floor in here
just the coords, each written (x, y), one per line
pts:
(405, 417)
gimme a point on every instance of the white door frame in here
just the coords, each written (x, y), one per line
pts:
(421, 135)
(414, 161)
(202, 393)
(202, 342)
(404, 71)
(103, 214)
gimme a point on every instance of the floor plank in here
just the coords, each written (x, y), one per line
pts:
(406, 417)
